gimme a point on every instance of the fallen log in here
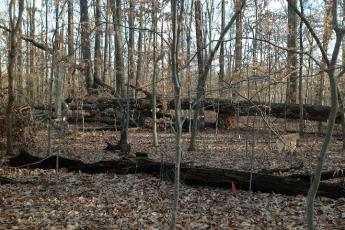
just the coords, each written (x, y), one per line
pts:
(278, 110)
(243, 108)
(195, 176)
(103, 103)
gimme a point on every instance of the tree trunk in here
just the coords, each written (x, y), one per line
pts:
(120, 68)
(291, 90)
(30, 77)
(331, 66)
(71, 52)
(86, 44)
(340, 92)
(98, 31)
(238, 42)
(201, 82)
(326, 38)
(140, 47)
(221, 55)
(106, 43)
(300, 86)
(155, 9)
(176, 22)
(119, 63)
(191, 175)
(206, 67)
(14, 25)
(19, 71)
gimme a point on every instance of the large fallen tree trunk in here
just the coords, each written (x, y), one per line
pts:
(204, 176)
(243, 108)
(278, 110)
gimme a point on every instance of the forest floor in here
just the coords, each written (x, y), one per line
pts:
(139, 201)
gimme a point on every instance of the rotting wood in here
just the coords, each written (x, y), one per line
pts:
(246, 108)
(195, 176)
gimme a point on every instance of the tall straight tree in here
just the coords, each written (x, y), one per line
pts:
(201, 82)
(221, 53)
(98, 30)
(31, 58)
(58, 67)
(327, 32)
(155, 9)
(341, 92)
(131, 63)
(140, 47)
(106, 43)
(70, 42)
(238, 39)
(12, 53)
(86, 44)
(120, 68)
(19, 71)
(119, 62)
(300, 78)
(291, 90)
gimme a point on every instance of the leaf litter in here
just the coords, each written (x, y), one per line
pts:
(138, 201)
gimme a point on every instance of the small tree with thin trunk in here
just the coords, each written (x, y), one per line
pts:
(330, 65)
(177, 93)
(203, 73)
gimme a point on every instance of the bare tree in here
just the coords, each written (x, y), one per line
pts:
(140, 47)
(340, 93)
(70, 43)
(176, 22)
(85, 44)
(330, 69)
(119, 63)
(327, 32)
(19, 71)
(120, 68)
(291, 89)
(106, 42)
(14, 27)
(238, 39)
(154, 74)
(203, 73)
(31, 57)
(201, 82)
(300, 86)
(131, 51)
(221, 53)
(98, 30)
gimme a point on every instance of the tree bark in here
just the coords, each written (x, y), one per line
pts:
(98, 31)
(119, 62)
(326, 38)
(300, 77)
(221, 54)
(140, 47)
(154, 74)
(70, 43)
(291, 90)
(238, 41)
(190, 175)
(86, 44)
(12, 53)
(176, 23)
